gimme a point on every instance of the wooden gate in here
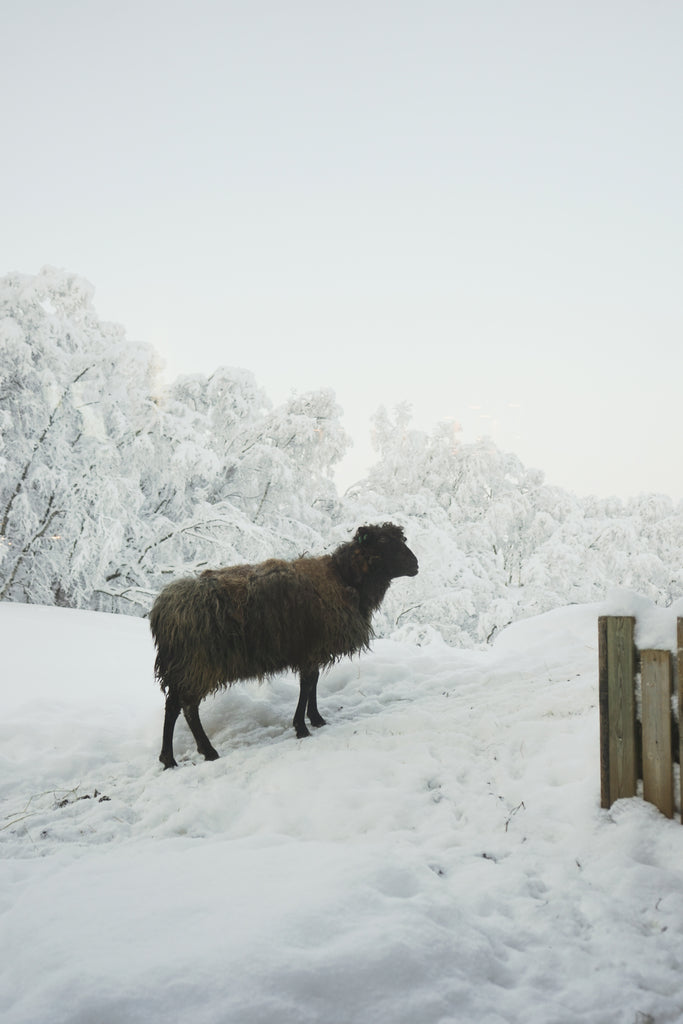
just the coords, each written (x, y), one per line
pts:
(641, 693)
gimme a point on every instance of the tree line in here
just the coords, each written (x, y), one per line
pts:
(112, 482)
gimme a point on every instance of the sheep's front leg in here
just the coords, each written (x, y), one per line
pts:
(308, 681)
(191, 712)
(170, 718)
(314, 716)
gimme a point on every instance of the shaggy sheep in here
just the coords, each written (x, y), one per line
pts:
(251, 621)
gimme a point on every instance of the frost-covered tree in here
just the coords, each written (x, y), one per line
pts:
(497, 543)
(68, 420)
(233, 479)
(471, 508)
(109, 482)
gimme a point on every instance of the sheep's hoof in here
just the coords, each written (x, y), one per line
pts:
(301, 732)
(211, 755)
(168, 762)
(317, 721)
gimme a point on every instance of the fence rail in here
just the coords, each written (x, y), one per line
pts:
(641, 694)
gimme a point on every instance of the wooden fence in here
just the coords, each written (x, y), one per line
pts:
(641, 693)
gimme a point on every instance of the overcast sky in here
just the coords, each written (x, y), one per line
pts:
(476, 206)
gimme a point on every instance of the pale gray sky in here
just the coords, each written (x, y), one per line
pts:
(476, 206)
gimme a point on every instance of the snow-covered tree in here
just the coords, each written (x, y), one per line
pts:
(496, 542)
(109, 482)
(68, 420)
(233, 479)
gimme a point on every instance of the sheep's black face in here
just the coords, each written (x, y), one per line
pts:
(398, 559)
(388, 546)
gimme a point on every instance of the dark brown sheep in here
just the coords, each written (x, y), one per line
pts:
(251, 621)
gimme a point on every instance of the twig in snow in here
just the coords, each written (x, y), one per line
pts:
(520, 807)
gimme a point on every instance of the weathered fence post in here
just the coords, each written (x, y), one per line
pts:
(618, 755)
(645, 747)
(679, 673)
(656, 691)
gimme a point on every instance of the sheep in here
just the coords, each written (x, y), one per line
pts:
(252, 621)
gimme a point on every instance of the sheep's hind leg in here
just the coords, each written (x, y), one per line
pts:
(307, 701)
(191, 712)
(170, 718)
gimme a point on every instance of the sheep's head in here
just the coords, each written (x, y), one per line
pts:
(385, 550)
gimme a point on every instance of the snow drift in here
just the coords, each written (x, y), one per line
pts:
(437, 854)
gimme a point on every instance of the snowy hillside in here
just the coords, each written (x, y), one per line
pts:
(436, 854)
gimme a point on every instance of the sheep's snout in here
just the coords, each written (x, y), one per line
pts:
(408, 564)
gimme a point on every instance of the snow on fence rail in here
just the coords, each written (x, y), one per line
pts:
(641, 696)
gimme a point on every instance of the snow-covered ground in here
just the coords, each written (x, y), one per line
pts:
(436, 854)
